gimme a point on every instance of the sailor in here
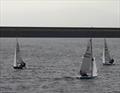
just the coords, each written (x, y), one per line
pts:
(111, 61)
(19, 65)
(92, 59)
(23, 64)
(83, 74)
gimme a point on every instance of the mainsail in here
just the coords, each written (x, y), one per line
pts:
(106, 54)
(17, 57)
(87, 63)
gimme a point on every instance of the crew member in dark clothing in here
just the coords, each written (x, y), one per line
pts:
(92, 59)
(111, 61)
(23, 64)
(83, 74)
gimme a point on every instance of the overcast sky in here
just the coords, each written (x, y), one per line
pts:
(60, 13)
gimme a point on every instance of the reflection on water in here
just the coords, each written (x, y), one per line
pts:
(52, 65)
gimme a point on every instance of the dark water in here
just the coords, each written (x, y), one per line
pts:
(50, 60)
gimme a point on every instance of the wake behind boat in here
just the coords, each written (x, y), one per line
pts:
(88, 68)
(18, 61)
(106, 59)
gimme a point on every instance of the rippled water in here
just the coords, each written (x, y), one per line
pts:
(51, 60)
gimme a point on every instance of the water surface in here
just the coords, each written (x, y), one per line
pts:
(50, 60)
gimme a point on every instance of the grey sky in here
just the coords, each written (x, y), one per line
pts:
(60, 13)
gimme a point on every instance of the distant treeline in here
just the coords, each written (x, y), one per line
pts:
(61, 32)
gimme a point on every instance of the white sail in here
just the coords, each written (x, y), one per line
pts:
(106, 54)
(17, 57)
(103, 57)
(94, 68)
(15, 63)
(86, 66)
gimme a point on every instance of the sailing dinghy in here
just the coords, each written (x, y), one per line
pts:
(18, 61)
(107, 60)
(88, 68)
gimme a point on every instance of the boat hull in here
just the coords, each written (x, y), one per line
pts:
(23, 65)
(108, 64)
(17, 67)
(85, 77)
